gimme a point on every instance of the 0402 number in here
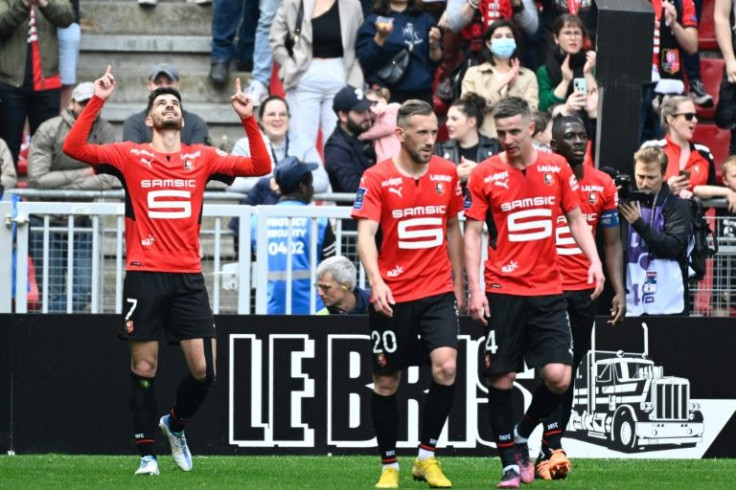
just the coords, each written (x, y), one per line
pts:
(297, 248)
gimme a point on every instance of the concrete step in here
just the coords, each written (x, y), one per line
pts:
(221, 135)
(223, 124)
(195, 85)
(132, 57)
(149, 43)
(167, 18)
(212, 113)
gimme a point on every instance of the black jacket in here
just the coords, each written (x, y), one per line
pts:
(672, 242)
(449, 150)
(346, 159)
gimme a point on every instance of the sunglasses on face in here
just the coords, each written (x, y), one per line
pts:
(687, 115)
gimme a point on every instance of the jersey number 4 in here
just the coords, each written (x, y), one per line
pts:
(159, 200)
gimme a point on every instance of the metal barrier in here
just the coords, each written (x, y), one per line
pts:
(119, 194)
(715, 294)
(50, 234)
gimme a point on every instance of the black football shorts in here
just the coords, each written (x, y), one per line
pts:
(175, 303)
(416, 329)
(531, 329)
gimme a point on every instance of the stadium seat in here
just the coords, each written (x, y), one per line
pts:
(442, 134)
(706, 27)
(716, 139)
(711, 73)
(22, 167)
(276, 87)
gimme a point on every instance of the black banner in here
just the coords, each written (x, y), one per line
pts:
(302, 385)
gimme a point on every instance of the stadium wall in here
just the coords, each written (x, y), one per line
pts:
(301, 385)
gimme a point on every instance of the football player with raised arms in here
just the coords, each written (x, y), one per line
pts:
(411, 203)
(164, 289)
(522, 307)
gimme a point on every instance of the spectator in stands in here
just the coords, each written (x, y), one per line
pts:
(551, 10)
(258, 89)
(566, 61)
(135, 128)
(460, 13)
(69, 38)
(501, 75)
(337, 286)
(656, 271)
(725, 116)
(274, 115)
(321, 62)
(727, 190)
(396, 26)
(294, 178)
(542, 135)
(50, 168)
(689, 164)
(30, 86)
(675, 30)
(472, 17)
(8, 178)
(346, 157)
(383, 130)
(692, 67)
(467, 146)
(231, 18)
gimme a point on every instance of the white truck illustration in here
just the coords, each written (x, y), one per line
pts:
(625, 401)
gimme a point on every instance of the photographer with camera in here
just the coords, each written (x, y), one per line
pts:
(659, 228)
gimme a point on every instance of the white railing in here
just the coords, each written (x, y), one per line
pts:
(104, 222)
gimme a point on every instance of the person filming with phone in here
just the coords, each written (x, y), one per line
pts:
(690, 164)
(567, 75)
(659, 227)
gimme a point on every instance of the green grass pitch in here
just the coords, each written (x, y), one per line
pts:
(344, 472)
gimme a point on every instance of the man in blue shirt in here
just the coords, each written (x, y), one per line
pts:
(294, 179)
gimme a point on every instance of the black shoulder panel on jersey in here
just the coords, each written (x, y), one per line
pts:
(110, 170)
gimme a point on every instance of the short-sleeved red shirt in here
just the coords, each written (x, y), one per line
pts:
(163, 191)
(525, 205)
(412, 214)
(598, 201)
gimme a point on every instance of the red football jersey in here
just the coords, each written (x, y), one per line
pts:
(163, 191)
(525, 205)
(598, 200)
(412, 214)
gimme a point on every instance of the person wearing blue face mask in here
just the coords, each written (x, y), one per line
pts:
(501, 74)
